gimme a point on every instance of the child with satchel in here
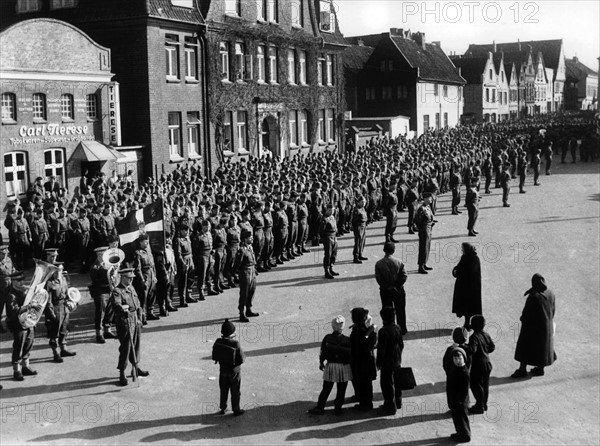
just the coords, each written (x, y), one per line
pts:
(335, 358)
(228, 353)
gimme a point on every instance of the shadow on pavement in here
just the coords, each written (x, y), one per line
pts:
(18, 392)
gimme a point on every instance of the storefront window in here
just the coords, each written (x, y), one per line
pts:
(15, 173)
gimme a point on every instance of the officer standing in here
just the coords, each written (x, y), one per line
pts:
(39, 234)
(391, 277)
(391, 213)
(505, 178)
(267, 254)
(359, 226)
(455, 182)
(182, 248)
(411, 199)
(472, 201)
(522, 169)
(302, 225)
(128, 319)
(100, 293)
(328, 232)
(20, 237)
(81, 229)
(245, 264)
(58, 313)
(145, 278)
(23, 338)
(202, 248)
(424, 221)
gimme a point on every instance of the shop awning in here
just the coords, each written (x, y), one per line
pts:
(94, 151)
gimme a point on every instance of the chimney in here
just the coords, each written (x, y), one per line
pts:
(575, 59)
(419, 38)
(494, 46)
(437, 43)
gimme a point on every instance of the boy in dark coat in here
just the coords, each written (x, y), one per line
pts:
(481, 345)
(457, 392)
(228, 353)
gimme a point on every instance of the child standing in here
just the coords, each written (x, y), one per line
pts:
(481, 345)
(228, 353)
(457, 392)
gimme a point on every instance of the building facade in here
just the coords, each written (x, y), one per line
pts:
(406, 76)
(275, 81)
(158, 57)
(59, 103)
(581, 90)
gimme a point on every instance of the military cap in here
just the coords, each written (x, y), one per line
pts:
(126, 272)
(100, 249)
(143, 236)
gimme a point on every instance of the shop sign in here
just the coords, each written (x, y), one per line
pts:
(114, 114)
(51, 133)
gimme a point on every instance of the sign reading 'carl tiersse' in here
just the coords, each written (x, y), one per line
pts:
(51, 133)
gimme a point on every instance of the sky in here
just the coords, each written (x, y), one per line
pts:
(456, 24)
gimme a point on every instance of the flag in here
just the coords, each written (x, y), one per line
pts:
(149, 220)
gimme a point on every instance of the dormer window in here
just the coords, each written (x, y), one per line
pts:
(63, 4)
(327, 18)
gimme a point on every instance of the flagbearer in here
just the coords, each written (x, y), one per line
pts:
(100, 292)
(128, 319)
(145, 278)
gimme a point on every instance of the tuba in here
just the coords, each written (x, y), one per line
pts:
(37, 296)
(111, 261)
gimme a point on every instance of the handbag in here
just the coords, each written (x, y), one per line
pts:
(407, 378)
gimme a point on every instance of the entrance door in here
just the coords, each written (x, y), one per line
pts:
(269, 132)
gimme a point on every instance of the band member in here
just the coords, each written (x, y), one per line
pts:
(39, 234)
(81, 231)
(100, 293)
(128, 319)
(57, 313)
(145, 278)
(245, 264)
(23, 338)
(6, 269)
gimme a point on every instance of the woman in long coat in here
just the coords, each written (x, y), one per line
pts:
(467, 289)
(535, 345)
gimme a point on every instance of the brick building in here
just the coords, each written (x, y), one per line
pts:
(58, 104)
(408, 77)
(581, 90)
(274, 78)
(158, 57)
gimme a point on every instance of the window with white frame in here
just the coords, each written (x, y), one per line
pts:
(228, 131)
(242, 130)
(39, 106)
(15, 173)
(487, 95)
(505, 97)
(193, 133)
(302, 66)
(330, 116)
(54, 165)
(224, 52)
(437, 121)
(321, 127)
(445, 91)
(291, 66)
(28, 5)
(329, 67)
(60, 4)
(261, 9)
(191, 58)
(303, 127)
(260, 63)
(172, 56)
(320, 70)
(66, 107)
(175, 135)
(297, 12)
(233, 7)
(240, 61)
(91, 106)
(272, 10)
(436, 90)
(273, 66)
(445, 119)
(293, 121)
(9, 109)
(425, 122)
(493, 95)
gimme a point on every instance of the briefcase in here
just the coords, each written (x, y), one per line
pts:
(224, 354)
(407, 378)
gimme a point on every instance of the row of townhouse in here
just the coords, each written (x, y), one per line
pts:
(511, 80)
(144, 85)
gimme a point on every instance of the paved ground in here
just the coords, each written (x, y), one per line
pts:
(553, 229)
